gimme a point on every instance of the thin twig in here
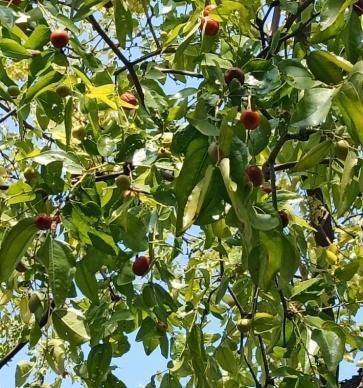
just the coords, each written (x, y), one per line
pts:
(149, 23)
(7, 115)
(143, 58)
(265, 362)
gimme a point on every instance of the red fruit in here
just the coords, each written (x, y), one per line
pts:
(43, 221)
(267, 188)
(208, 9)
(209, 26)
(358, 7)
(250, 119)
(234, 72)
(254, 175)
(141, 265)
(284, 218)
(59, 38)
(15, 2)
(129, 98)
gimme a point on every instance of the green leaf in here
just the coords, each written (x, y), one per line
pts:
(60, 261)
(226, 359)
(103, 242)
(14, 245)
(98, 362)
(86, 281)
(70, 326)
(38, 38)
(349, 188)
(169, 381)
(196, 160)
(19, 192)
(204, 127)
(314, 156)
(331, 340)
(11, 49)
(236, 196)
(260, 137)
(123, 21)
(70, 161)
(323, 68)
(195, 344)
(313, 108)
(43, 84)
(23, 371)
(7, 18)
(195, 200)
(263, 221)
(302, 286)
(273, 244)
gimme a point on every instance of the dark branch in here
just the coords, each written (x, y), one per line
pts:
(17, 348)
(128, 65)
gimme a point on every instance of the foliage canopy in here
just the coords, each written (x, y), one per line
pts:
(127, 141)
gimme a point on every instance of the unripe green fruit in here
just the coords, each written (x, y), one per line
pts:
(13, 90)
(123, 182)
(79, 133)
(244, 325)
(63, 91)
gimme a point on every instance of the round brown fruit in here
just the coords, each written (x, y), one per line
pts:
(214, 152)
(210, 26)
(15, 2)
(79, 133)
(63, 91)
(13, 90)
(250, 119)
(108, 5)
(123, 182)
(234, 73)
(266, 188)
(59, 38)
(208, 9)
(254, 175)
(162, 326)
(129, 98)
(284, 218)
(341, 149)
(30, 174)
(244, 325)
(43, 221)
(141, 265)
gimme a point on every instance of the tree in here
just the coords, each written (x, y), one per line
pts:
(166, 165)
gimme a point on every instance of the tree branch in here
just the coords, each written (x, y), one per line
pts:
(128, 65)
(266, 366)
(148, 21)
(143, 58)
(8, 114)
(17, 348)
(181, 72)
